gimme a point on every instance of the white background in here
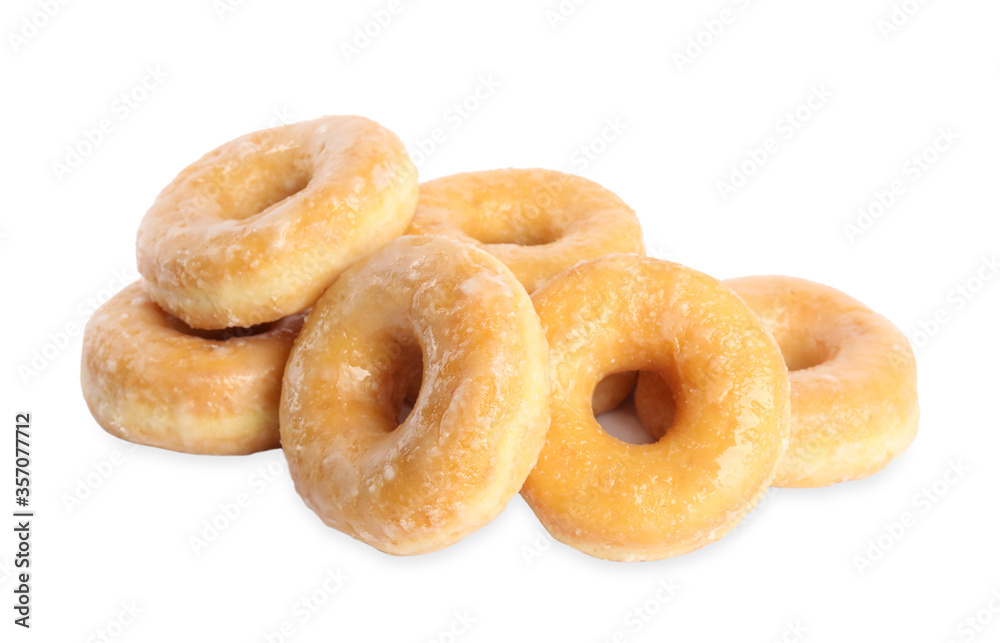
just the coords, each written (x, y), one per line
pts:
(793, 566)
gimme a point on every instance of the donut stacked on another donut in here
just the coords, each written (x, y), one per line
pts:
(479, 420)
(853, 382)
(257, 229)
(151, 379)
(623, 501)
(232, 252)
(510, 307)
(539, 223)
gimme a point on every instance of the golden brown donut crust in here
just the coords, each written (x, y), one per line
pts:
(537, 222)
(480, 417)
(148, 380)
(853, 381)
(256, 229)
(622, 501)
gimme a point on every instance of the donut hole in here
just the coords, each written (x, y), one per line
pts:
(406, 383)
(265, 186)
(275, 194)
(664, 413)
(612, 391)
(521, 235)
(623, 423)
(513, 224)
(404, 412)
(804, 354)
(384, 359)
(221, 334)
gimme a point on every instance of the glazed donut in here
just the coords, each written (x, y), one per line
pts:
(150, 379)
(853, 381)
(627, 502)
(538, 222)
(255, 230)
(479, 421)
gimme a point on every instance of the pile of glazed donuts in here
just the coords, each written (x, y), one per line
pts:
(300, 289)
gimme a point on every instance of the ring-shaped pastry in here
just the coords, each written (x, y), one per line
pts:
(258, 228)
(621, 501)
(479, 420)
